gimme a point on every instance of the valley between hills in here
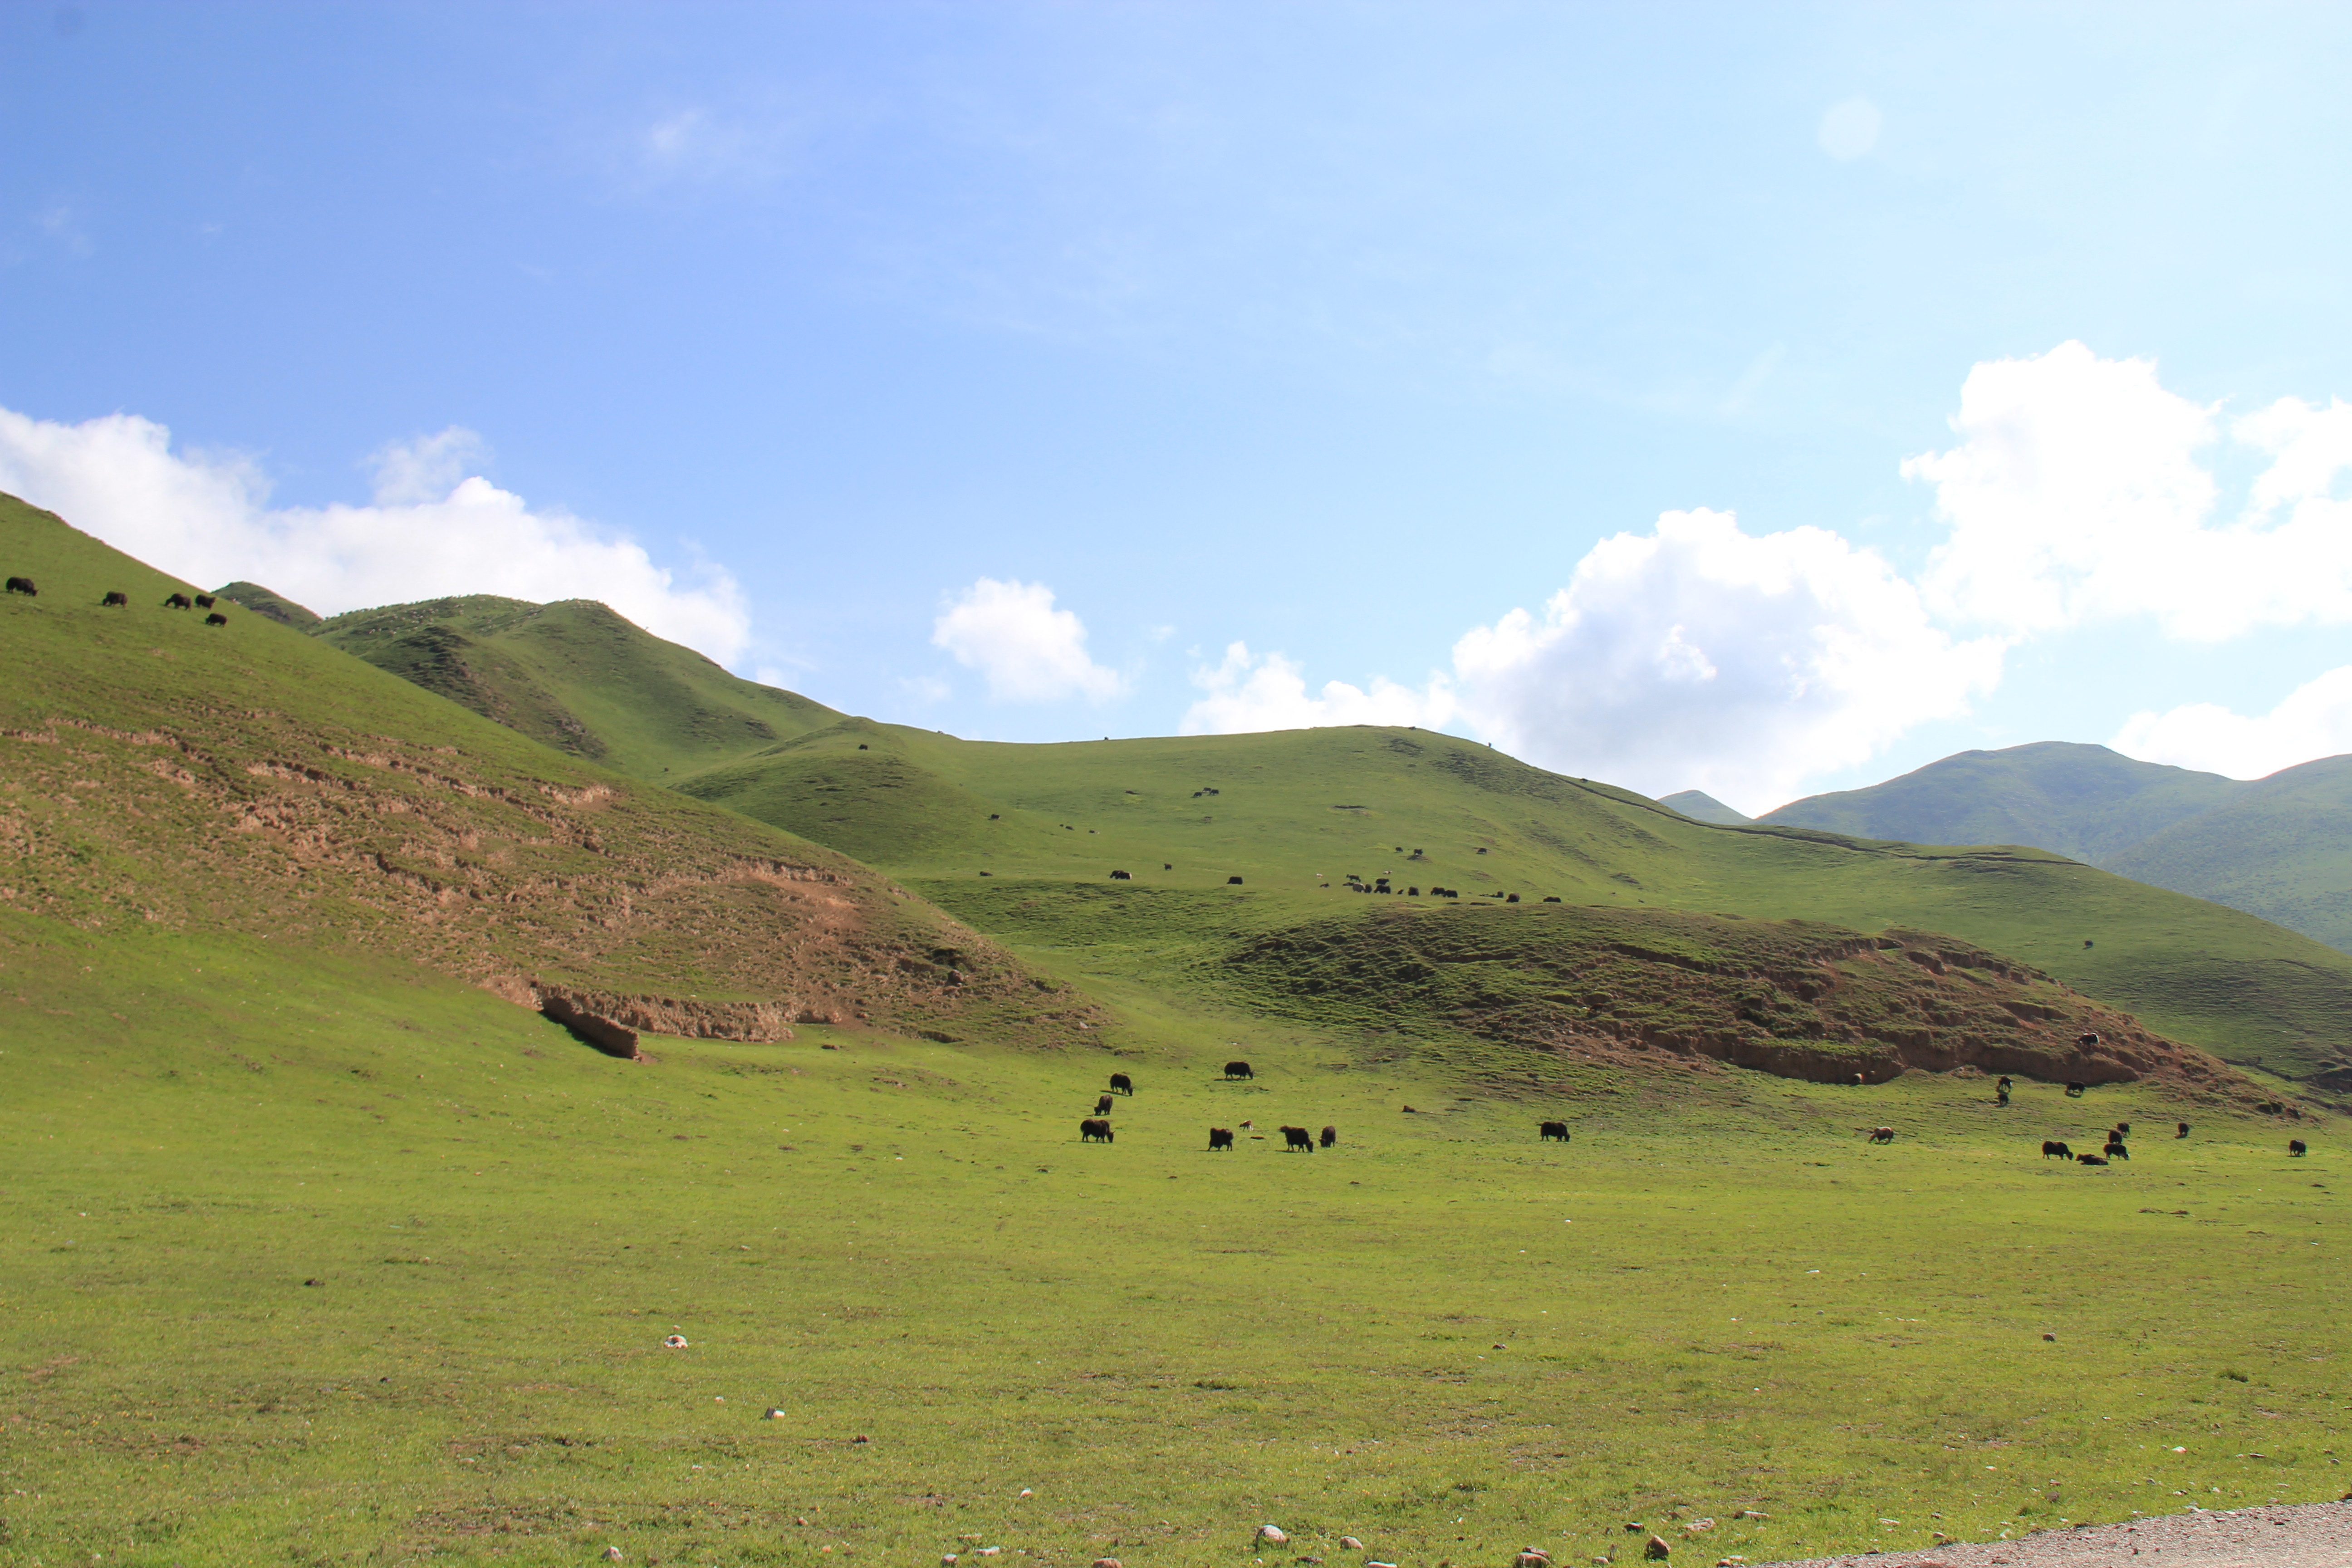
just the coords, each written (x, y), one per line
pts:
(421, 1015)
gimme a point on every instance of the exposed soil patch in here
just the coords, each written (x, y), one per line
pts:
(1796, 998)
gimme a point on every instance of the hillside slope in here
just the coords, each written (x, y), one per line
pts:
(1296, 815)
(2281, 848)
(2086, 802)
(579, 677)
(158, 775)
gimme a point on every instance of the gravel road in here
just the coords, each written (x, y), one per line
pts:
(2314, 1535)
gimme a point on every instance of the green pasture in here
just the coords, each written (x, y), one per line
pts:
(1442, 1336)
(1296, 814)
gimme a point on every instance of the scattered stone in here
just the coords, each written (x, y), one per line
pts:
(676, 1341)
(1026, 1492)
(861, 1437)
(1270, 1536)
(1657, 1550)
(1351, 1543)
(1697, 1525)
(2051, 1337)
(612, 1554)
(947, 1560)
(989, 1550)
(1105, 1563)
(1751, 1513)
(774, 1412)
(313, 1283)
(1531, 1557)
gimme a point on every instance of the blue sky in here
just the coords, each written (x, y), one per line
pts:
(998, 368)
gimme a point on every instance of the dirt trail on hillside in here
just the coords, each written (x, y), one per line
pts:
(2315, 1535)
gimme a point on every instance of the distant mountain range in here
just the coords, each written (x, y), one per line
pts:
(2280, 847)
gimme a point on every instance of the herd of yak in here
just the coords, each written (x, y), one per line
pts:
(118, 599)
(1097, 1128)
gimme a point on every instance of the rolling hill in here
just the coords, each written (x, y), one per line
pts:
(576, 676)
(1022, 841)
(2280, 847)
(2086, 802)
(244, 780)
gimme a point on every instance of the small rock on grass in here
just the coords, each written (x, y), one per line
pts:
(1270, 1535)
(1697, 1525)
(1531, 1557)
(612, 1554)
(1351, 1543)
(1105, 1563)
(1657, 1550)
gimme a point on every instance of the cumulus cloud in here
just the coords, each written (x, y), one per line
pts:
(1246, 694)
(429, 531)
(1028, 650)
(1698, 656)
(2081, 490)
(2312, 720)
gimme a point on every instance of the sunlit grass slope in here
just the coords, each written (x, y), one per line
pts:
(579, 677)
(159, 771)
(1440, 1336)
(1295, 813)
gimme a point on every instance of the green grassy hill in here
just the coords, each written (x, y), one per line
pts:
(1703, 807)
(579, 677)
(2281, 847)
(1008, 837)
(2086, 802)
(162, 773)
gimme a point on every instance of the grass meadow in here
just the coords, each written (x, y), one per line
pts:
(1442, 1336)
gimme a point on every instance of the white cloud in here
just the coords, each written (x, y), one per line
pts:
(429, 531)
(1247, 694)
(2078, 493)
(1701, 656)
(2312, 720)
(1028, 650)
(1849, 130)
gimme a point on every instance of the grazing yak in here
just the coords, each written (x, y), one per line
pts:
(1120, 877)
(1553, 1132)
(1330, 1136)
(215, 619)
(2181, 1130)
(1297, 1138)
(178, 601)
(2114, 1151)
(1093, 1129)
(1882, 1134)
(1102, 1105)
(206, 600)
(2090, 1160)
(1121, 1084)
(2075, 1091)
(2297, 1146)
(2122, 1130)
(23, 585)
(1220, 1137)
(2052, 1147)
(115, 598)
(1233, 881)
(1238, 1069)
